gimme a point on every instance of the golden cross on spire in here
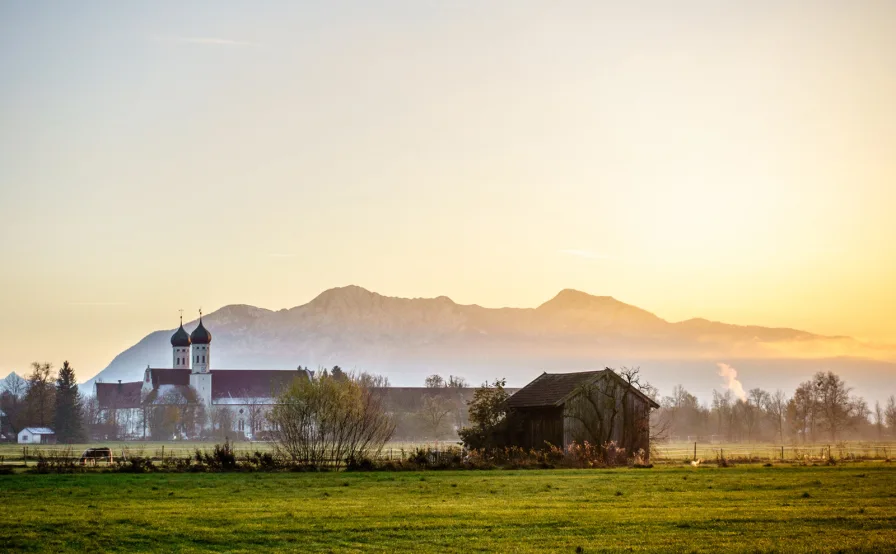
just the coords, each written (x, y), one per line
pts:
(200, 313)
(181, 316)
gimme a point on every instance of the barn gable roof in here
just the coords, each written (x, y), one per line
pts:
(550, 389)
(554, 389)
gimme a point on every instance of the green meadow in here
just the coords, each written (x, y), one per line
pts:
(784, 508)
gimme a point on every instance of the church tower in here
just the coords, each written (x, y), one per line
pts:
(180, 345)
(201, 340)
(200, 377)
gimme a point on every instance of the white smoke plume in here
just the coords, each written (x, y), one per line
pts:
(731, 382)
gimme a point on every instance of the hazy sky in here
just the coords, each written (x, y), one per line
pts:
(730, 160)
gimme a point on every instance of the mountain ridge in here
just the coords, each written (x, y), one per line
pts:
(407, 338)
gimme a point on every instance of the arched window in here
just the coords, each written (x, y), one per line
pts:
(203, 358)
(197, 358)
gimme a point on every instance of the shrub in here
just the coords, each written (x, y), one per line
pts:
(135, 464)
(722, 461)
(359, 464)
(222, 458)
(261, 461)
(327, 420)
(175, 464)
(488, 417)
(56, 462)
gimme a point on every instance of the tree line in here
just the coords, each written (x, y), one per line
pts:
(46, 398)
(821, 408)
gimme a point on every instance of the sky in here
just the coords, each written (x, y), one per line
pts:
(729, 160)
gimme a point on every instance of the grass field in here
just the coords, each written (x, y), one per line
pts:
(785, 508)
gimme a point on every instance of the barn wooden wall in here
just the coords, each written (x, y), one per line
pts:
(538, 426)
(637, 408)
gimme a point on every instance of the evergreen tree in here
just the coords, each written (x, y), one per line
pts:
(69, 415)
(39, 396)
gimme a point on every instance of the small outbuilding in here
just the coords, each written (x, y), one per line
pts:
(37, 435)
(594, 406)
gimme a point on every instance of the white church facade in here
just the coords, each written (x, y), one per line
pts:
(243, 395)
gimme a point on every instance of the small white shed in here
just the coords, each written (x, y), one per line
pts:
(36, 435)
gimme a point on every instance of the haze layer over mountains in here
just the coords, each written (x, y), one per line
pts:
(407, 339)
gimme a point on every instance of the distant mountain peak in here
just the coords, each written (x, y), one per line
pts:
(571, 299)
(348, 291)
(342, 298)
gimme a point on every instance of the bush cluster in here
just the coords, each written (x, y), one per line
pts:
(57, 462)
(223, 459)
(577, 456)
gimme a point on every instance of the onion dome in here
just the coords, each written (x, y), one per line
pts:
(180, 337)
(200, 335)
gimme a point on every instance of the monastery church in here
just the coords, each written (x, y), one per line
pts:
(242, 391)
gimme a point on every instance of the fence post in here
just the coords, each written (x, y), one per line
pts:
(695, 451)
(782, 453)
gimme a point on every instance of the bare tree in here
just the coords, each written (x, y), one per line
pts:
(221, 421)
(434, 382)
(455, 382)
(682, 411)
(92, 413)
(323, 420)
(749, 414)
(834, 401)
(39, 397)
(370, 380)
(879, 420)
(178, 411)
(434, 412)
(606, 409)
(803, 412)
(890, 414)
(722, 406)
(256, 414)
(776, 408)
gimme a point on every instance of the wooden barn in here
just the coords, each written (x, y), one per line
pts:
(595, 406)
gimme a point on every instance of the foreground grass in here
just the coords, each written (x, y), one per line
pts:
(782, 508)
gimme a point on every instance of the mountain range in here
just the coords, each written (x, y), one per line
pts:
(407, 339)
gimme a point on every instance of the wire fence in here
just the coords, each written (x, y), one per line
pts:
(662, 452)
(157, 451)
(856, 450)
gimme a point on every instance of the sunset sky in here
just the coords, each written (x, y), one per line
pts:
(733, 161)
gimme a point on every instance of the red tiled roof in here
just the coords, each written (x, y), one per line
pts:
(118, 395)
(165, 376)
(242, 383)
